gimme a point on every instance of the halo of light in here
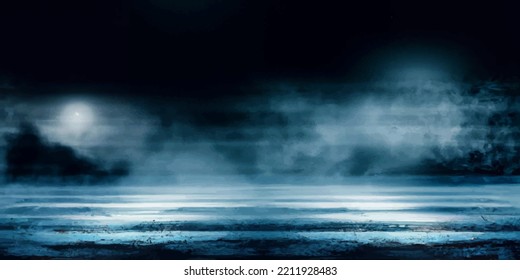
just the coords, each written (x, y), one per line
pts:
(77, 118)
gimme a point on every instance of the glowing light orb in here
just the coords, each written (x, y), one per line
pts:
(77, 118)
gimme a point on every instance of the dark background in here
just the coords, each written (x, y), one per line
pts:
(213, 49)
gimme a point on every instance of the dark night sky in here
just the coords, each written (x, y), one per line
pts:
(328, 88)
(212, 47)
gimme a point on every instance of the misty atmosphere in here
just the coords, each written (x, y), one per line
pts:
(259, 129)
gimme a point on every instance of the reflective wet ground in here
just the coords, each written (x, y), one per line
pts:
(366, 219)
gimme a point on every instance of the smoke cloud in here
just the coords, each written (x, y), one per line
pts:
(292, 131)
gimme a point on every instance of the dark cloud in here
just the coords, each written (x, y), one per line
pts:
(31, 158)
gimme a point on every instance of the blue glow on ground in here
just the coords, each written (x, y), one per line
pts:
(36, 221)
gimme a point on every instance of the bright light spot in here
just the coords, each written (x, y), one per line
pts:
(76, 119)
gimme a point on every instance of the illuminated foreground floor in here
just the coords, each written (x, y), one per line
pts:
(349, 221)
